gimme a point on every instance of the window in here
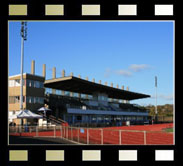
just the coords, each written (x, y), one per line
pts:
(99, 118)
(17, 98)
(139, 118)
(47, 90)
(23, 98)
(37, 84)
(16, 82)
(27, 99)
(41, 84)
(128, 118)
(58, 92)
(31, 99)
(67, 93)
(28, 83)
(82, 96)
(36, 99)
(79, 117)
(11, 83)
(133, 118)
(75, 94)
(32, 83)
(94, 118)
(106, 118)
(41, 100)
(11, 99)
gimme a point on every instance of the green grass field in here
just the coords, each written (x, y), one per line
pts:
(169, 130)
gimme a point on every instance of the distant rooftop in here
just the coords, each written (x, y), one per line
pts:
(27, 75)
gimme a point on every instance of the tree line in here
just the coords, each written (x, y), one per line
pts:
(163, 110)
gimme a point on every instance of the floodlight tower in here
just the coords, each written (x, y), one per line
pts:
(156, 109)
(23, 34)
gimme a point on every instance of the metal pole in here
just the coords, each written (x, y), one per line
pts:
(67, 132)
(120, 137)
(23, 34)
(21, 77)
(54, 131)
(144, 137)
(87, 136)
(61, 131)
(21, 71)
(156, 109)
(78, 135)
(102, 136)
(64, 132)
(71, 134)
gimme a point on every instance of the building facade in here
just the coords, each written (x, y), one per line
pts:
(33, 93)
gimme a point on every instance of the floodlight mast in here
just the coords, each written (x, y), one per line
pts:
(156, 109)
(23, 34)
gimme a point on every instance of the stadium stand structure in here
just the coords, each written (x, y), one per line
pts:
(107, 106)
(77, 101)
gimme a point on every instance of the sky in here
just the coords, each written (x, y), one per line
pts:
(124, 53)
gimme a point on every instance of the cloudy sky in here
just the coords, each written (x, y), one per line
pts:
(123, 53)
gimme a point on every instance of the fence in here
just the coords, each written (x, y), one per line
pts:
(97, 136)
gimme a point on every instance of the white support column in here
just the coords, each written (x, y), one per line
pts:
(145, 138)
(86, 96)
(61, 131)
(64, 132)
(67, 132)
(79, 95)
(54, 131)
(78, 135)
(102, 136)
(119, 137)
(71, 134)
(87, 136)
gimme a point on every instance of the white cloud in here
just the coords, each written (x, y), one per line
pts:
(125, 73)
(108, 72)
(138, 67)
(164, 97)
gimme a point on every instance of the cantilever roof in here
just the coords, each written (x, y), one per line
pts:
(79, 85)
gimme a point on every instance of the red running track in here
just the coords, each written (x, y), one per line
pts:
(130, 135)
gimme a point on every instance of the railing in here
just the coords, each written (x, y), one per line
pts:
(107, 108)
(97, 136)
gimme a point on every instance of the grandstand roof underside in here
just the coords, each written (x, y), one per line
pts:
(78, 85)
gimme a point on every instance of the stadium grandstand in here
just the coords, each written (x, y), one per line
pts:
(80, 111)
(77, 101)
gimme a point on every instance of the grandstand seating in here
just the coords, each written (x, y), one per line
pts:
(59, 104)
(73, 102)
